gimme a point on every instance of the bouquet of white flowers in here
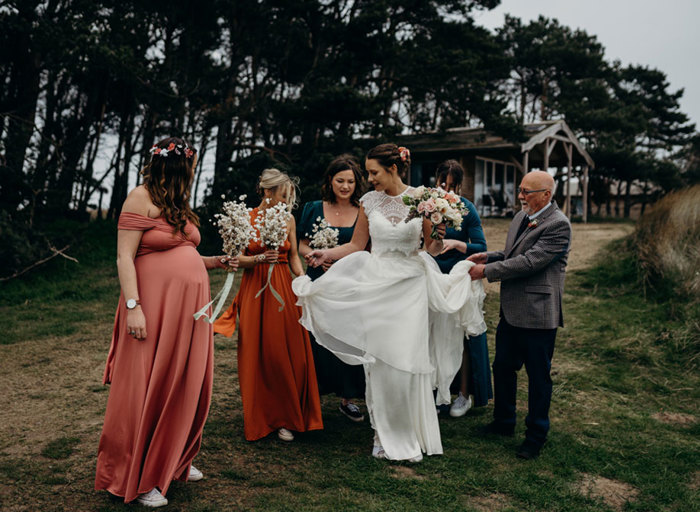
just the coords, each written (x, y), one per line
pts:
(436, 205)
(234, 227)
(236, 233)
(323, 236)
(272, 226)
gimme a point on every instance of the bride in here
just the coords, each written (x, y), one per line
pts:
(373, 309)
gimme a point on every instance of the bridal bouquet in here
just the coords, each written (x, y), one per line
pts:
(323, 235)
(436, 205)
(272, 226)
(236, 233)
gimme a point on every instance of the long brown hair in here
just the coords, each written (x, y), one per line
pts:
(168, 178)
(388, 155)
(340, 164)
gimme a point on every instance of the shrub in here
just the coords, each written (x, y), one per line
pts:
(667, 241)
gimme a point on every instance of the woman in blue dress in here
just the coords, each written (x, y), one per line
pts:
(474, 378)
(343, 185)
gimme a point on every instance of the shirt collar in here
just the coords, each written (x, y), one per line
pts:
(535, 215)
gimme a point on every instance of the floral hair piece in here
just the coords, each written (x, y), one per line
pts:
(179, 149)
(404, 153)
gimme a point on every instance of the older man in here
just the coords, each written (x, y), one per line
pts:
(531, 270)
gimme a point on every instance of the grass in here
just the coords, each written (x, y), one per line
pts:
(624, 413)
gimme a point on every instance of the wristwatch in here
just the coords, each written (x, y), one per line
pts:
(132, 303)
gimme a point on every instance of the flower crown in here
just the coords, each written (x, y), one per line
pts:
(404, 153)
(177, 148)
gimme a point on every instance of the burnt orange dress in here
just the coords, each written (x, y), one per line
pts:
(275, 363)
(160, 387)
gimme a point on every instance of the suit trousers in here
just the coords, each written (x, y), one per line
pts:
(534, 348)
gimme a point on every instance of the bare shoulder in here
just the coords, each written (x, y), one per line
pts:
(139, 201)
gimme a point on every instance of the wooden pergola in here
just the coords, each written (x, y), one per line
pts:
(492, 162)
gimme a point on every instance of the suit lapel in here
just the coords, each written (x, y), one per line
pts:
(513, 231)
(541, 221)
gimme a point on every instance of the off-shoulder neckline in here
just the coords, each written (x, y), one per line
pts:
(160, 217)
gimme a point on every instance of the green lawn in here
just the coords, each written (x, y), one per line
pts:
(624, 413)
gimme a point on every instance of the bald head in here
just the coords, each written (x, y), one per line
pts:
(538, 179)
(536, 191)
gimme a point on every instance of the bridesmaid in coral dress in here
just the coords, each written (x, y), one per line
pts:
(275, 363)
(160, 362)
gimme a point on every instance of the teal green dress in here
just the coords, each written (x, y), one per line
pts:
(472, 234)
(333, 375)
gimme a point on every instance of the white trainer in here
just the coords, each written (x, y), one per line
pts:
(378, 452)
(285, 435)
(460, 406)
(152, 498)
(416, 459)
(195, 474)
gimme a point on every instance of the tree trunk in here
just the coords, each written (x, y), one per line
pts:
(628, 199)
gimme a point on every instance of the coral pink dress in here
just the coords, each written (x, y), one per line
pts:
(275, 363)
(160, 387)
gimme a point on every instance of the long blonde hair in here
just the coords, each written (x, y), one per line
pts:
(271, 179)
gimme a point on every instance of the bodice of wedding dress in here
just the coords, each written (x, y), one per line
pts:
(387, 227)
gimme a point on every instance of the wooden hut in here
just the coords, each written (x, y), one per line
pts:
(495, 166)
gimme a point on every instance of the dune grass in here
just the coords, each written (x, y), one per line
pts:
(625, 429)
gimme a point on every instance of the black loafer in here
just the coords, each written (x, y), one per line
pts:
(528, 450)
(499, 429)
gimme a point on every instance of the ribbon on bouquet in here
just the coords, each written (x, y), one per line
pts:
(221, 296)
(272, 289)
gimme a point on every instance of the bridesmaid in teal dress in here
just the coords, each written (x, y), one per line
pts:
(343, 185)
(474, 379)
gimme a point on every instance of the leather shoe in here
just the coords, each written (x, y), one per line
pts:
(528, 450)
(498, 429)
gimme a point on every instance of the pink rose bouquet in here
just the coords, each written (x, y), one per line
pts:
(437, 206)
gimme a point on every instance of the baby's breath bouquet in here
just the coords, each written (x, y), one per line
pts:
(323, 236)
(234, 226)
(271, 223)
(236, 233)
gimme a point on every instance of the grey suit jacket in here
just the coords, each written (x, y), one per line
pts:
(532, 269)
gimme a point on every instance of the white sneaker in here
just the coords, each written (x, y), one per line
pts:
(460, 406)
(195, 475)
(152, 498)
(416, 459)
(285, 435)
(378, 452)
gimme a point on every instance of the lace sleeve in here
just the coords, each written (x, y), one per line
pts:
(370, 201)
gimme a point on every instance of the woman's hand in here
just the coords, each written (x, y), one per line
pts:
(271, 256)
(227, 262)
(326, 265)
(450, 243)
(136, 323)
(317, 257)
(440, 229)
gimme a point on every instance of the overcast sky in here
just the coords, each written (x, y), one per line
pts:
(662, 34)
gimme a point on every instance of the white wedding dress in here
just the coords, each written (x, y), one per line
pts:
(395, 312)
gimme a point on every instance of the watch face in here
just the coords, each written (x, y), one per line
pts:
(131, 304)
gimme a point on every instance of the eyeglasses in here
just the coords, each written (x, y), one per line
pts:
(527, 192)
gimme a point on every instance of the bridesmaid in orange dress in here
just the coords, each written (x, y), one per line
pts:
(160, 362)
(275, 363)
